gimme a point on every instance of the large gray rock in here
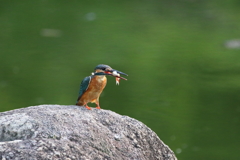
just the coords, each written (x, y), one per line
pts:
(73, 132)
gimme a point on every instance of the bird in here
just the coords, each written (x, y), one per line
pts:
(92, 86)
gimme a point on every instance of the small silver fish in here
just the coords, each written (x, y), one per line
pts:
(114, 73)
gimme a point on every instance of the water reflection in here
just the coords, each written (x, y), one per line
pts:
(183, 82)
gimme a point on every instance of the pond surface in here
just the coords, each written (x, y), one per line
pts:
(182, 58)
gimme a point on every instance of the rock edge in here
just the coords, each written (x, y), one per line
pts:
(73, 132)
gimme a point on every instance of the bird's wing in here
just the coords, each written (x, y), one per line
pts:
(84, 85)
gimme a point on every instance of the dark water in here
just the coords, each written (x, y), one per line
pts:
(184, 72)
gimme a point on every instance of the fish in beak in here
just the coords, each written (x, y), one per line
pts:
(116, 73)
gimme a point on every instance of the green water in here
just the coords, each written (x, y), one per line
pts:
(184, 83)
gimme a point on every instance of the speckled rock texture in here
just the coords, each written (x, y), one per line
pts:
(57, 132)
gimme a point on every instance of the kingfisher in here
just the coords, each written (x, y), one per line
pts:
(92, 86)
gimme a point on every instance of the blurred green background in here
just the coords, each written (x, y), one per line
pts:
(182, 57)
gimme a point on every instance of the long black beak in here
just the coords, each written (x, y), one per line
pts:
(116, 73)
(119, 72)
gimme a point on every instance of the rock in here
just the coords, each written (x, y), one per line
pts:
(232, 44)
(73, 132)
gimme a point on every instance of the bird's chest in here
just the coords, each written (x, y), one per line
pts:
(98, 83)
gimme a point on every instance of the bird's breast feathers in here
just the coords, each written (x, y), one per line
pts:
(100, 79)
(98, 83)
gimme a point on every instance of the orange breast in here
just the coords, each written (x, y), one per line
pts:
(94, 90)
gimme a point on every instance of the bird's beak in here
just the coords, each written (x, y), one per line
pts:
(116, 73)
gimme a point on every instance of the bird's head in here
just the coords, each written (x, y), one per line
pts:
(103, 69)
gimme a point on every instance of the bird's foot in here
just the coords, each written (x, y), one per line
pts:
(98, 107)
(88, 107)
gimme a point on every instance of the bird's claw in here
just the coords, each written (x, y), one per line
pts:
(88, 107)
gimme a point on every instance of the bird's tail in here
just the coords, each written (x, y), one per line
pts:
(79, 103)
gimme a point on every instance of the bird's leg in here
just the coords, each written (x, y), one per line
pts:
(87, 106)
(98, 107)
